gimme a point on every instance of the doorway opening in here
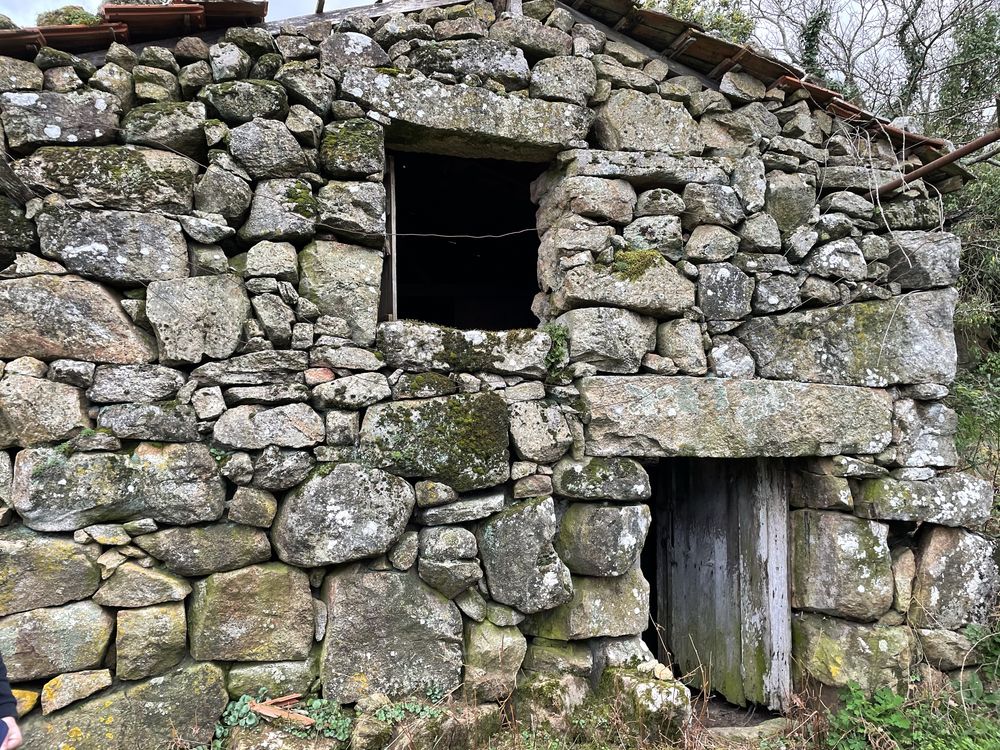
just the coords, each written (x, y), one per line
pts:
(717, 562)
(463, 279)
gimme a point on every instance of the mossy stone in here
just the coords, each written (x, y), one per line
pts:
(460, 440)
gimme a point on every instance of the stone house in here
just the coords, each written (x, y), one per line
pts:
(435, 349)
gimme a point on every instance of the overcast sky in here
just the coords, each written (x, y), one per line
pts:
(23, 12)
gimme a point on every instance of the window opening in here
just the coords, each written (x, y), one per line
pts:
(462, 281)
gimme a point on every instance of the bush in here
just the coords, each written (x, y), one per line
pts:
(68, 14)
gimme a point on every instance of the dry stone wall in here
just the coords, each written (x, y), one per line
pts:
(220, 472)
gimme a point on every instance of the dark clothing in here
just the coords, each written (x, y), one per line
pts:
(8, 706)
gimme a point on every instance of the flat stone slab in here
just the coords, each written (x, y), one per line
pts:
(680, 416)
(646, 168)
(51, 317)
(175, 483)
(909, 339)
(948, 500)
(136, 179)
(418, 346)
(466, 121)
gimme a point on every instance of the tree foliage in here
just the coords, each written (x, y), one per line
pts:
(726, 18)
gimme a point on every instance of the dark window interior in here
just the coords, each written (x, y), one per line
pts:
(462, 282)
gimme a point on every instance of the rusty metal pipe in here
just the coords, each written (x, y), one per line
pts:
(958, 153)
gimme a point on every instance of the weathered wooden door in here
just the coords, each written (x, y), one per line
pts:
(722, 576)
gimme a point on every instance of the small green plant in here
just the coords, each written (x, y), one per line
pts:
(558, 352)
(237, 714)
(888, 720)
(852, 727)
(434, 693)
(219, 454)
(331, 721)
(987, 645)
(399, 712)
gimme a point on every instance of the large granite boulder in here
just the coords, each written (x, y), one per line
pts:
(138, 384)
(266, 149)
(602, 540)
(149, 640)
(197, 317)
(45, 642)
(949, 500)
(642, 281)
(354, 211)
(600, 607)
(609, 338)
(646, 168)
(126, 177)
(343, 281)
(388, 632)
(790, 199)
(352, 148)
(487, 58)
(282, 210)
(50, 118)
(539, 431)
(909, 339)
(44, 570)
(252, 427)
(633, 121)
(493, 657)
(956, 580)
(601, 479)
(259, 613)
(467, 121)
(132, 585)
(522, 567)
(924, 433)
(53, 317)
(172, 126)
(118, 246)
(681, 416)
(347, 49)
(342, 512)
(237, 102)
(34, 411)
(918, 260)
(160, 420)
(185, 702)
(201, 550)
(459, 440)
(419, 346)
(840, 565)
(836, 653)
(171, 483)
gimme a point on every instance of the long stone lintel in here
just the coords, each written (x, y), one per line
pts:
(721, 418)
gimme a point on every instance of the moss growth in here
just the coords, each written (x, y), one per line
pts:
(352, 147)
(558, 355)
(460, 440)
(299, 194)
(632, 265)
(67, 15)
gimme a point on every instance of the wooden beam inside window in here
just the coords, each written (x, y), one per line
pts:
(388, 303)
